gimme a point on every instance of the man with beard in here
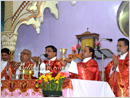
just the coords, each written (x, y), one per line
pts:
(51, 64)
(117, 71)
(87, 69)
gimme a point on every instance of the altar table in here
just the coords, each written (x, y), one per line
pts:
(70, 88)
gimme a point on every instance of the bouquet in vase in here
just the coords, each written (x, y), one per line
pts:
(78, 47)
(52, 81)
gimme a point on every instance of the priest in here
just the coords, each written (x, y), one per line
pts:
(6, 64)
(117, 71)
(51, 64)
(26, 63)
(87, 69)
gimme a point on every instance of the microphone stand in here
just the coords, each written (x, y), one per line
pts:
(39, 66)
(102, 77)
(46, 55)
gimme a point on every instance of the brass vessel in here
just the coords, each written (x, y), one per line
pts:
(63, 52)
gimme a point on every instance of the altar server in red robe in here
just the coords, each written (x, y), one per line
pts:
(51, 64)
(6, 64)
(117, 71)
(87, 69)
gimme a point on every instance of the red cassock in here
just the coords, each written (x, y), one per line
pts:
(87, 71)
(119, 81)
(54, 66)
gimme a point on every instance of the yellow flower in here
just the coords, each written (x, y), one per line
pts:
(40, 78)
(57, 82)
(46, 80)
(53, 78)
(63, 76)
(36, 79)
(50, 79)
(49, 76)
(58, 75)
(56, 78)
(50, 73)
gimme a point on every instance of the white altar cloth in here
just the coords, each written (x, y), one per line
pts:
(88, 88)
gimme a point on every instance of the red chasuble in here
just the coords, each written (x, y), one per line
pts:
(119, 81)
(4, 72)
(28, 65)
(87, 71)
(54, 66)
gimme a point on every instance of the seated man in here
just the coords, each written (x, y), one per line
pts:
(117, 71)
(6, 64)
(87, 69)
(25, 63)
(51, 64)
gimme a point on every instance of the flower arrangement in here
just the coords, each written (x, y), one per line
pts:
(96, 44)
(78, 47)
(73, 50)
(52, 81)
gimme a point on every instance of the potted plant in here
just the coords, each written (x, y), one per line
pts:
(51, 83)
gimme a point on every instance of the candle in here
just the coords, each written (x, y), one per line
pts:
(23, 71)
(17, 77)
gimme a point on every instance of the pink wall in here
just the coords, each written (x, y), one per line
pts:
(99, 16)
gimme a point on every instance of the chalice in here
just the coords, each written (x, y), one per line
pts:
(30, 73)
(22, 72)
(63, 52)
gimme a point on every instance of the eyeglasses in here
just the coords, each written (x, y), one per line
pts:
(24, 53)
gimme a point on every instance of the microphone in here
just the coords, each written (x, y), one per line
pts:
(109, 39)
(45, 55)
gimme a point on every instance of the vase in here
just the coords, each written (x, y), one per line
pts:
(78, 51)
(49, 93)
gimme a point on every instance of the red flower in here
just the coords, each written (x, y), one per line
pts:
(41, 74)
(62, 73)
(40, 81)
(66, 74)
(46, 74)
(54, 74)
(97, 43)
(78, 46)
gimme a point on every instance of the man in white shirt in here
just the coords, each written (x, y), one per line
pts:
(51, 64)
(117, 71)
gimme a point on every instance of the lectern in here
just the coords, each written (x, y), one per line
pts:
(101, 54)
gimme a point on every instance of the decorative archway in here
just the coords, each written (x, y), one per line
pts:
(23, 12)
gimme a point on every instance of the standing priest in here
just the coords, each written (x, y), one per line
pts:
(6, 64)
(51, 64)
(87, 69)
(117, 71)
